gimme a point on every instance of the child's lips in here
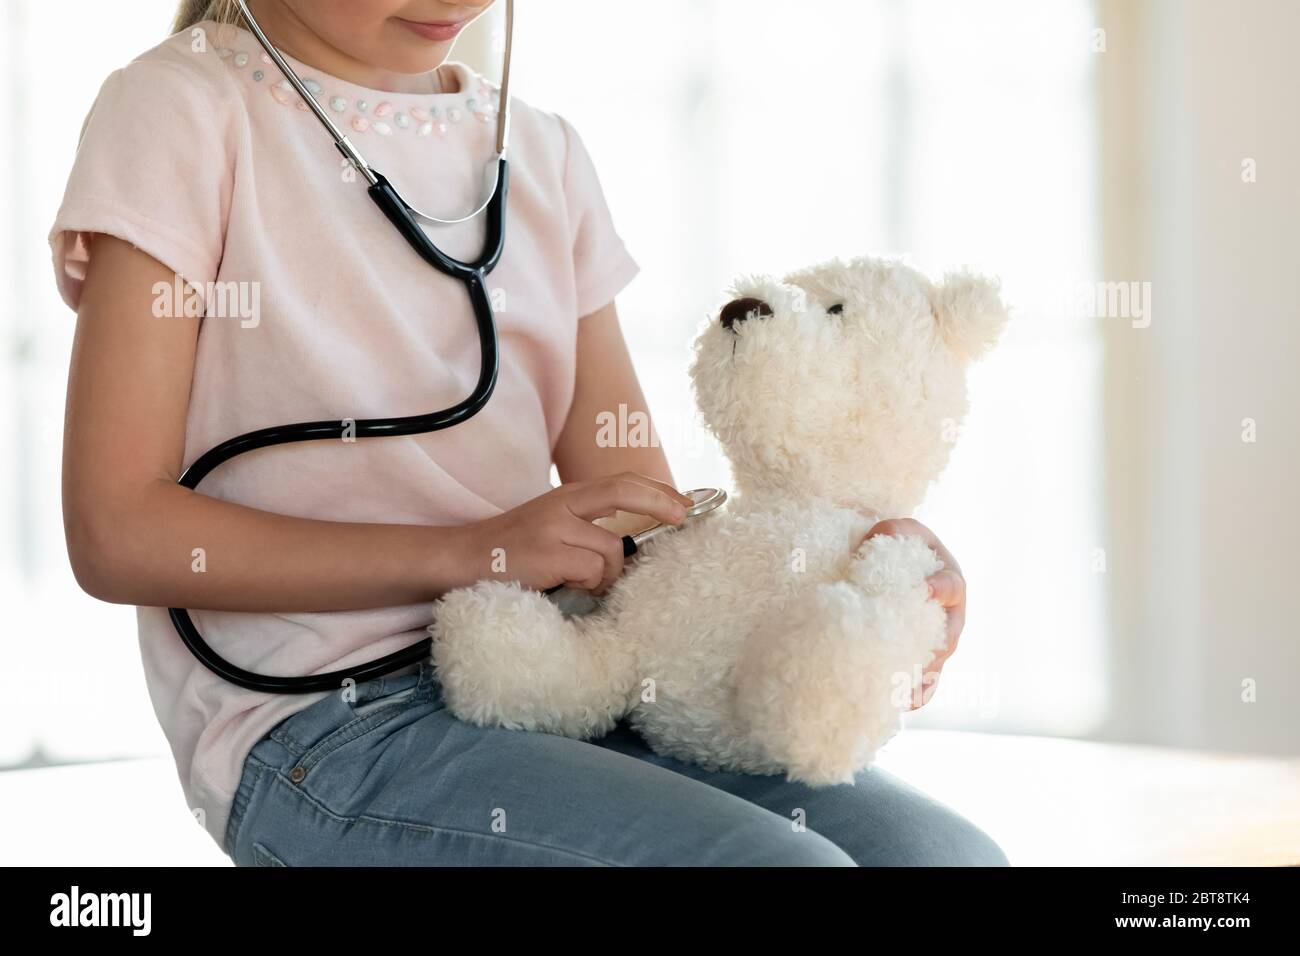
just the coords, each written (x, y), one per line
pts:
(434, 30)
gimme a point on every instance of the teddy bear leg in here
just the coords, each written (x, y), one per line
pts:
(821, 689)
(507, 657)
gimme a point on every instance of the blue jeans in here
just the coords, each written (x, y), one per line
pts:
(391, 778)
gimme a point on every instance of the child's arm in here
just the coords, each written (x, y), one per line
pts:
(605, 380)
(131, 530)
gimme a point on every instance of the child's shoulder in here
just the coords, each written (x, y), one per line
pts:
(173, 102)
(184, 71)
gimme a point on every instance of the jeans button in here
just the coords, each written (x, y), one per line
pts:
(297, 774)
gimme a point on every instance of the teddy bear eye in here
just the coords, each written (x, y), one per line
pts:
(836, 309)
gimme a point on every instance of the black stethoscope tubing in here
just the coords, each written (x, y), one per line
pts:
(473, 275)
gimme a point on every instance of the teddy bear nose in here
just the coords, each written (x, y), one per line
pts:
(738, 310)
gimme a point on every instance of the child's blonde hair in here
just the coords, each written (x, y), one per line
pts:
(190, 12)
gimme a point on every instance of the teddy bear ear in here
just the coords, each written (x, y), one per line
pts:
(970, 313)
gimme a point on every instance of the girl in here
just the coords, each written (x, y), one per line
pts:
(198, 170)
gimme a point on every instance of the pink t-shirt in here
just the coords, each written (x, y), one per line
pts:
(201, 158)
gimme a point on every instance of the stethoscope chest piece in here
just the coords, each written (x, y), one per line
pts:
(706, 500)
(576, 603)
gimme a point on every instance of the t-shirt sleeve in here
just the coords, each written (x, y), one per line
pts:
(602, 265)
(154, 167)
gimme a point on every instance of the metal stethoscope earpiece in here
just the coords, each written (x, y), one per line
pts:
(491, 171)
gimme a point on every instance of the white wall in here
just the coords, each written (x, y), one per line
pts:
(1203, 527)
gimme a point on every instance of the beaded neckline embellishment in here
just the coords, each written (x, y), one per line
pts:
(358, 114)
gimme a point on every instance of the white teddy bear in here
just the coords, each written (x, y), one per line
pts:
(766, 637)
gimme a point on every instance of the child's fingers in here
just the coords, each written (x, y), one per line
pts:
(956, 622)
(947, 587)
(581, 568)
(602, 498)
(589, 537)
(640, 479)
(661, 485)
(925, 692)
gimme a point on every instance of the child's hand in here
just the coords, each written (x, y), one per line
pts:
(551, 540)
(947, 586)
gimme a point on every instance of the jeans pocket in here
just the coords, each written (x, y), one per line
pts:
(368, 717)
(262, 856)
(361, 707)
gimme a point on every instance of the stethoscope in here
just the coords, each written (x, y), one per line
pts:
(473, 275)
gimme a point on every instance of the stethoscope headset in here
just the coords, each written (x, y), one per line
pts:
(473, 275)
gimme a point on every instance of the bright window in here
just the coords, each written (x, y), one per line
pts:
(738, 136)
(75, 690)
(731, 136)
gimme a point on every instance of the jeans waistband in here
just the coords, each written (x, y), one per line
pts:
(299, 732)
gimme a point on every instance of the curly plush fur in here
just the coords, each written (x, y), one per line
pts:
(767, 637)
